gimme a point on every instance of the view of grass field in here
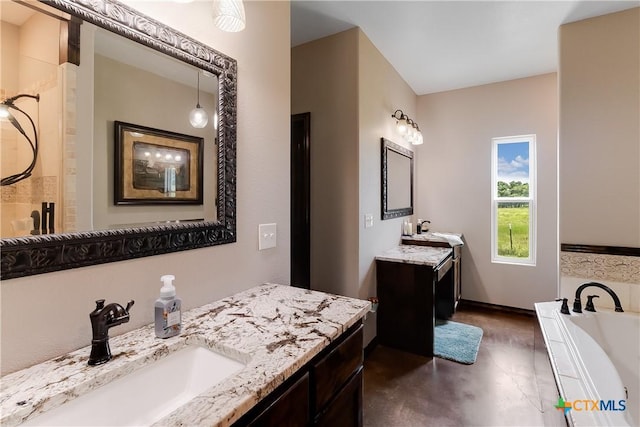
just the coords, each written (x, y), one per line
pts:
(516, 244)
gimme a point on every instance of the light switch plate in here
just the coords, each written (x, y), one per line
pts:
(368, 220)
(267, 236)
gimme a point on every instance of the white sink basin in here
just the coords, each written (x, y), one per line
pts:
(146, 395)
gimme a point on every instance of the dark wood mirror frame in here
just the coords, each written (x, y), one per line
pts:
(32, 255)
(387, 212)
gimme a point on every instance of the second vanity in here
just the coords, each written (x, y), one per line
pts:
(301, 351)
(414, 286)
(443, 240)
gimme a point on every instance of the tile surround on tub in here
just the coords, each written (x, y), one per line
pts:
(621, 273)
(274, 329)
(615, 268)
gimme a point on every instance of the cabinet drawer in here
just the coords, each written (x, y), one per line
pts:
(444, 268)
(346, 409)
(291, 409)
(332, 371)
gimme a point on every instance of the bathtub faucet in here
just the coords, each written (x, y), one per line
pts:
(577, 304)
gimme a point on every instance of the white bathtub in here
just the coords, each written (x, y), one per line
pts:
(595, 358)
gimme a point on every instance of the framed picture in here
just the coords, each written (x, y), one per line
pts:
(154, 166)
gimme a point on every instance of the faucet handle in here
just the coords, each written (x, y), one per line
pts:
(590, 306)
(565, 307)
(99, 304)
(129, 305)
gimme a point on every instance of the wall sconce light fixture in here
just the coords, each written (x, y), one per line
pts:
(198, 116)
(5, 106)
(228, 15)
(408, 128)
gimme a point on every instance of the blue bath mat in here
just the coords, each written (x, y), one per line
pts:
(456, 341)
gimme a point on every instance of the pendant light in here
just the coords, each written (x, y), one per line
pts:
(198, 117)
(228, 15)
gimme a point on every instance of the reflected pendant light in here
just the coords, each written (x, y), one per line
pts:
(228, 15)
(198, 117)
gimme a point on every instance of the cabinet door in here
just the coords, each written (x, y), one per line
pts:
(345, 410)
(332, 371)
(290, 409)
(405, 317)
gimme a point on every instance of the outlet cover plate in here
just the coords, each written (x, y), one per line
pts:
(368, 220)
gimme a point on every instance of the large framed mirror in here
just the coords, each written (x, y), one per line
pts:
(115, 233)
(397, 180)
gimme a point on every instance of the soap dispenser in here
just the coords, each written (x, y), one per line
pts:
(167, 309)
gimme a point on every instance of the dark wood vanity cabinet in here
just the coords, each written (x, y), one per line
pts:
(457, 262)
(325, 392)
(411, 297)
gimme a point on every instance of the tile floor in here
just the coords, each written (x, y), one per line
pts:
(511, 383)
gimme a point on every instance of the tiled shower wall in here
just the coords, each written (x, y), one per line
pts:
(20, 199)
(620, 273)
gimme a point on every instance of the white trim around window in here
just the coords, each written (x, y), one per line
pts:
(513, 200)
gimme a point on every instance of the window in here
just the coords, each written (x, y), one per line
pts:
(513, 193)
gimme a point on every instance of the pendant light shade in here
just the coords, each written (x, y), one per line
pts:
(228, 15)
(198, 116)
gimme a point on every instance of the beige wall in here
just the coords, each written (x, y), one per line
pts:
(47, 315)
(351, 91)
(455, 181)
(324, 82)
(381, 92)
(599, 79)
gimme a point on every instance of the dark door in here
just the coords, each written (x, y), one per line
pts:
(300, 201)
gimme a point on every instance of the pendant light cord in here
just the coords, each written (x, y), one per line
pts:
(198, 96)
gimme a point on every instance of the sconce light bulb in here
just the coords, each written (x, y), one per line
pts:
(215, 120)
(402, 126)
(198, 117)
(418, 139)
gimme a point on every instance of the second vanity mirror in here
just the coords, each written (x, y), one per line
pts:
(111, 232)
(397, 180)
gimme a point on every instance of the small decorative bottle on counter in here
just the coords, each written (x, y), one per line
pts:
(167, 310)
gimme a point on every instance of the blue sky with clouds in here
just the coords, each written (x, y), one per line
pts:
(513, 162)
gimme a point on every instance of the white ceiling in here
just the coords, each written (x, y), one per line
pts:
(444, 45)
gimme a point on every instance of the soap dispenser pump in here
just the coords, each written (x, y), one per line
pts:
(168, 317)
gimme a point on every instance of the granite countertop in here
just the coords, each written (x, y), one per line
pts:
(274, 329)
(419, 255)
(432, 236)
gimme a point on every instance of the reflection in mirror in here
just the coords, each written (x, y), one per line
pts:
(397, 180)
(138, 85)
(152, 77)
(117, 80)
(29, 58)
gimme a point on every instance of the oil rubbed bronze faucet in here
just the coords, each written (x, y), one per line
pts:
(102, 319)
(577, 304)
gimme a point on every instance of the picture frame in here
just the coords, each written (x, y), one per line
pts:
(156, 167)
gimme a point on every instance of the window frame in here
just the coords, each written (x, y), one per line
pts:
(531, 199)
